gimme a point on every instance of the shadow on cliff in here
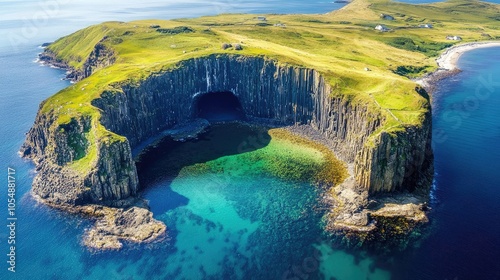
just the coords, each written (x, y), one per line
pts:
(217, 107)
(159, 166)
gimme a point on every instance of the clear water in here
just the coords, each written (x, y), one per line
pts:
(464, 240)
(462, 244)
(227, 218)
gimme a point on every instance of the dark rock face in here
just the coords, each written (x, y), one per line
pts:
(100, 57)
(399, 161)
(115, 177)
(52, 147)
(217, 106)
(265, 89)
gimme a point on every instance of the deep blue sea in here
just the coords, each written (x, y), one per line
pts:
(220, 234)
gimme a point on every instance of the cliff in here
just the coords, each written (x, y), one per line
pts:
(100, 57)
(384, 162)
(112, 177)
(133, 82)
(268, 90)
(397, 161)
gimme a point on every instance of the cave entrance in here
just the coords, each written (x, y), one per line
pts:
(218, 107)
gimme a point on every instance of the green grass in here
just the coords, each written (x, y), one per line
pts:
(340, 45)
(75, 48)
(429, 48)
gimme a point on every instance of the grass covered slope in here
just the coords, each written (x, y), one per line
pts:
(341, 45)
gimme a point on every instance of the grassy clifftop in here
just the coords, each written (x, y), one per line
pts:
(342, 45)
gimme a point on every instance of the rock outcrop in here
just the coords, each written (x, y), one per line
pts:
(53, 146)
(100, 57)
(134, 224)
(266, 89)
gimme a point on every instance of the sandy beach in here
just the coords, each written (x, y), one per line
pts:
(448, 60)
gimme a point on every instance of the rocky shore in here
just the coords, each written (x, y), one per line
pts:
(361, 219)
(114, 225)
(125, 220)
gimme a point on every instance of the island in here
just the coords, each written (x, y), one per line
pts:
(345, 80)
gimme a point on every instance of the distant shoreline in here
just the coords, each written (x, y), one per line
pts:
(448, 63)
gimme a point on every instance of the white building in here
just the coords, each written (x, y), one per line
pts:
(454, 38)
(382, 28)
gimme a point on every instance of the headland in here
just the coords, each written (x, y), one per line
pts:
(342, 79)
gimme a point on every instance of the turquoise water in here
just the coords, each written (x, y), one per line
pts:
(231, 224)
(213, 232)
(235, 221)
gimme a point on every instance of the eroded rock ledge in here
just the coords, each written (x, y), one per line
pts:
(398, 161)
(117, 221)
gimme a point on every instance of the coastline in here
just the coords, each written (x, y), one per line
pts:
(448, 63)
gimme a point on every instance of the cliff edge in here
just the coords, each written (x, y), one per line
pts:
(136, 79)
